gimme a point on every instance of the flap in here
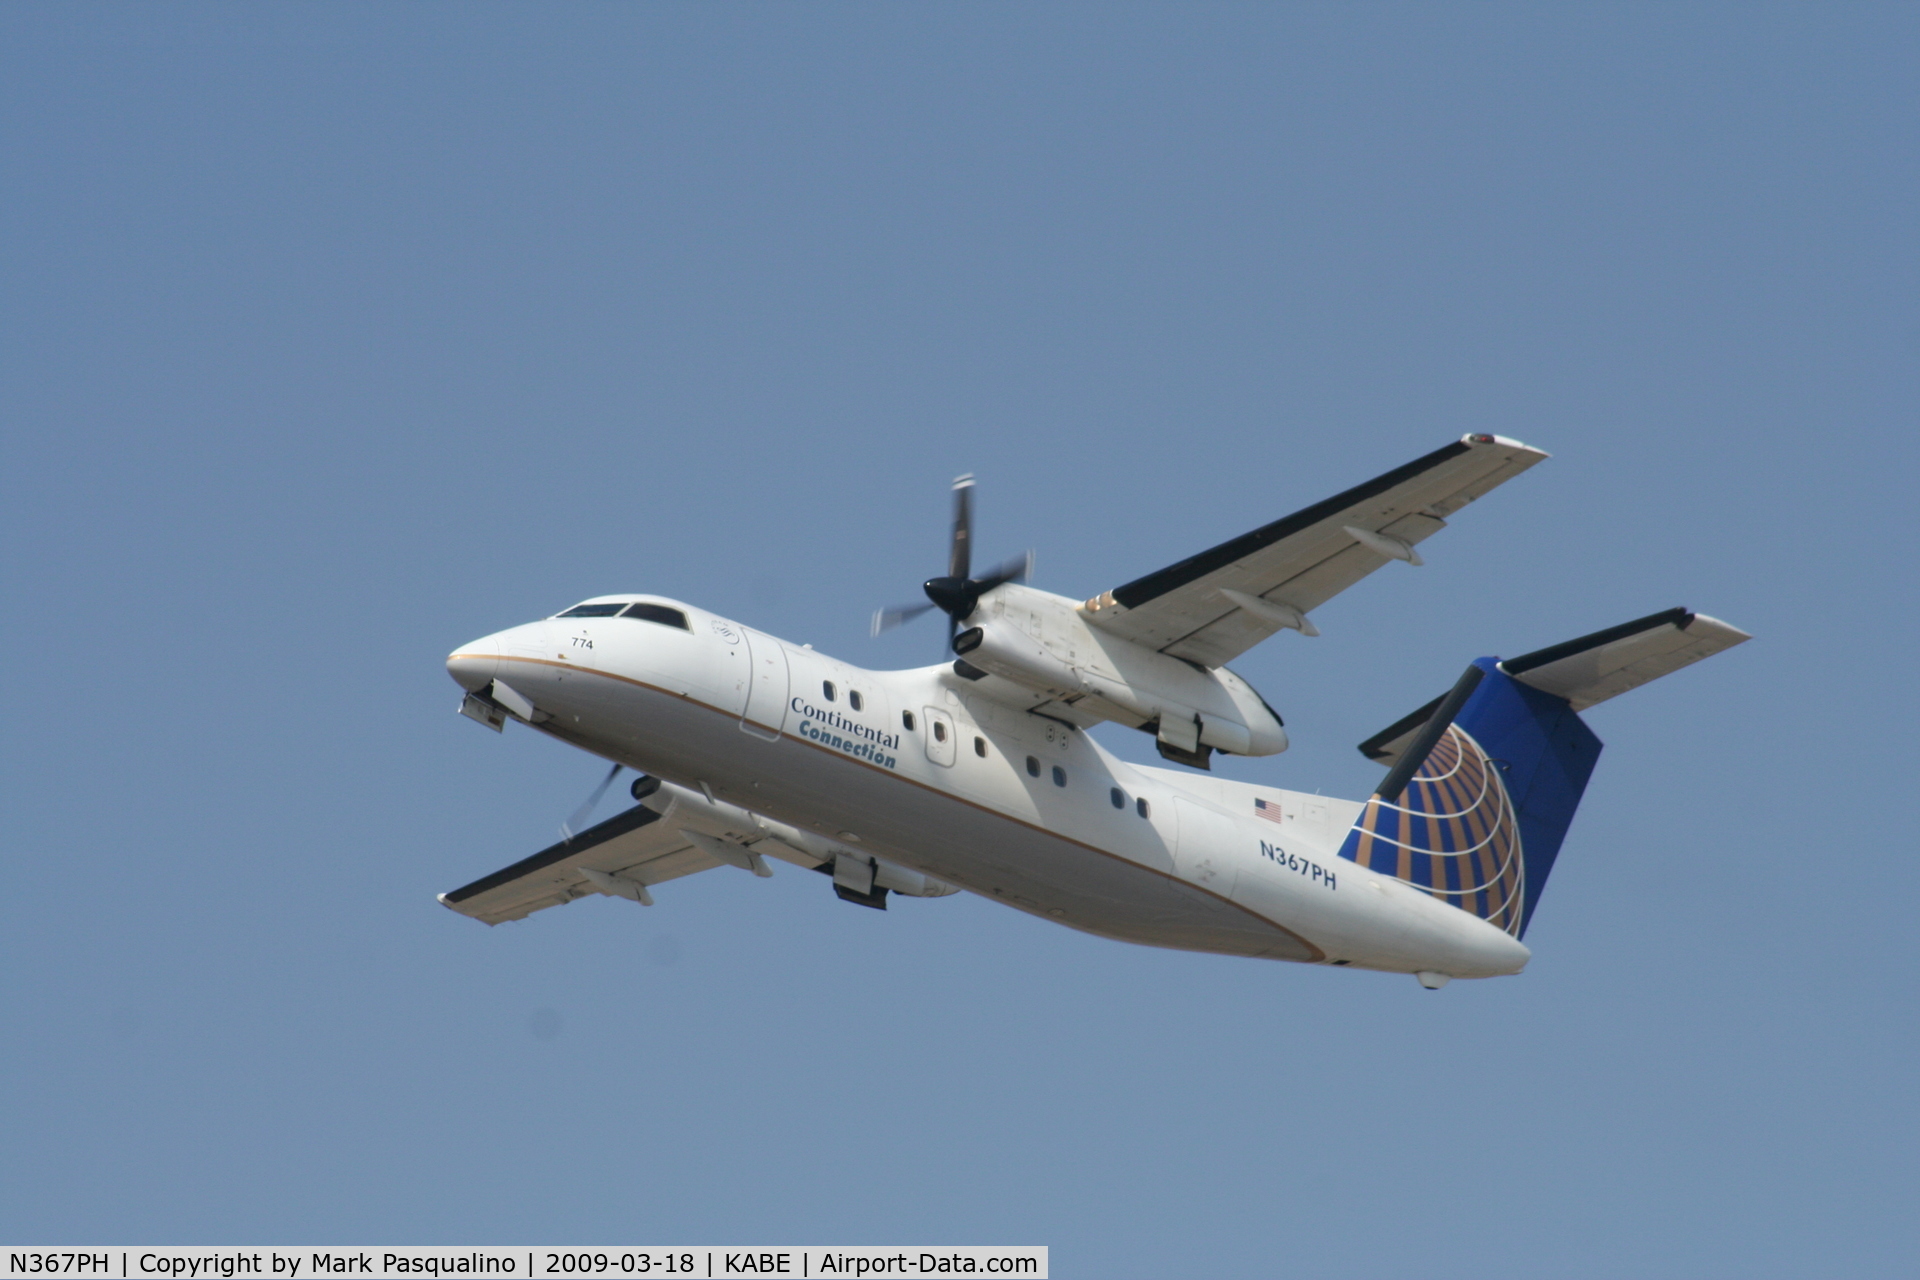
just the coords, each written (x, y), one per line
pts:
(1214, 606)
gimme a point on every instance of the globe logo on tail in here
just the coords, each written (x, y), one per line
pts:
(1454, 834)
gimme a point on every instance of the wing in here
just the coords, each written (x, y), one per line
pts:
(1212, 607)
(621, 857)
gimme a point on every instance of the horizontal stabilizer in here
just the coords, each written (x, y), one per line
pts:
(1607, 663)
(1589, 670)
(1421, 744)
(1391, 743)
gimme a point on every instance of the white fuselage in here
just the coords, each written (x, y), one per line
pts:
(923, 768)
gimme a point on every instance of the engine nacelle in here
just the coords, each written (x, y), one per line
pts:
(1187, 707)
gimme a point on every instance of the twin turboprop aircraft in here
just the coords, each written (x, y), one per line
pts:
(978, 773)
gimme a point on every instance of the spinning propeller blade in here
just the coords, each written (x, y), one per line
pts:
(960, 551)
(580, 815)
(1018, 569)
(957, 594)
(886, 620)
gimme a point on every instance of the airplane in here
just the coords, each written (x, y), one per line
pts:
(978, 773)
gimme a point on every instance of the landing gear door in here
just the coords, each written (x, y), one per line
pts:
(767, 692)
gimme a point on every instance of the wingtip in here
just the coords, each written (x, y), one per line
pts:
(1726, 632)
(1503, 442)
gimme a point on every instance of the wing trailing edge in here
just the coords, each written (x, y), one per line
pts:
(1214, 606)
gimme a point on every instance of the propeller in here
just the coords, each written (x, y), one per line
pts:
(958, 593)
(580, 815)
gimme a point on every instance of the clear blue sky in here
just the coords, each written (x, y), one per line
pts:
(335, 336)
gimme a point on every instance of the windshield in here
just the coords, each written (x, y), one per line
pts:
(660, 613)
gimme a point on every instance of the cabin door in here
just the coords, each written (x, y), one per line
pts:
(767, 691)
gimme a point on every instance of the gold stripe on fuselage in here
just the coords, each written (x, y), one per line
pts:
(1315, 953)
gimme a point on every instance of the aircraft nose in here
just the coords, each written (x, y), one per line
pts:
(472, 665)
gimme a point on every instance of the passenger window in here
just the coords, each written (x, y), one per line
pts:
(906, 719)
(1119, 799)
(826, 690)
(658, 613)
(594, 610)
(853, 699)
(1059, 776)
(939, 732)
(1142, 808)
(1033, 767)
(980, 747)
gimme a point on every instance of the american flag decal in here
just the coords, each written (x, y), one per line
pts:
(1268, 809)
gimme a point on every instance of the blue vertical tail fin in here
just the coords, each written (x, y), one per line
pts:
(1484, 781)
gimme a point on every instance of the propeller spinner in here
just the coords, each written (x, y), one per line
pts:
(958, 593)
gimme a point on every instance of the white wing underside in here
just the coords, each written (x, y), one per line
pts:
(622, 856)
(1286, 569)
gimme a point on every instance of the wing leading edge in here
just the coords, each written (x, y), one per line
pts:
(1214, 606)
(620, 857)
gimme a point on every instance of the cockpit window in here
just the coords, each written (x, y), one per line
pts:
(658, 613)
(594, 610)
